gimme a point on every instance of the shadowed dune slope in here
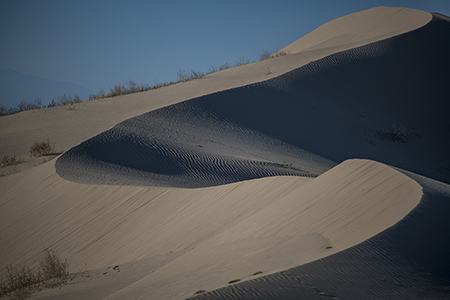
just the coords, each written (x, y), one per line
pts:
(386, 101)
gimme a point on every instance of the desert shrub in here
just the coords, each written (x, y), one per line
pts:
(197, 75)
(21, 282)
(117, 89)
(122, 88)
(241, 61)
(65, 100)
(397, 134)
(279, 53)
(212, 70)
(76, 99)
(10, 161)
(183, 76)
(41, 149)
(53, 271)
(52, 103)
(3, 110)
(23, 106)
(100, 94)
(224, 66)
(265, 54)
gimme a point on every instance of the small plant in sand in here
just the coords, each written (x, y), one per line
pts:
(10, 161)
(42, 148)
(265, 54)
(53, 271)
(224, 66)
(397, 134)
(241, 61)
(22, 282)
(279, 53)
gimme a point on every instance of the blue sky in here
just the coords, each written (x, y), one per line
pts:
(98, 43)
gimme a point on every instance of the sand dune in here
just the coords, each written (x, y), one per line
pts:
(406, 261)
(361, 28)
(301, 184)
(355, 101)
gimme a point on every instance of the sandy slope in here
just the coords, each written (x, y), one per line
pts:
(270, 223)
(407, 261)
(361, 28)
(359, 101)
(67, 128)
(320, 108)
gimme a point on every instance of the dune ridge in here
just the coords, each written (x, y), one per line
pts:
(270, 223)
(405, 261)
(361, 28)
(228, 136)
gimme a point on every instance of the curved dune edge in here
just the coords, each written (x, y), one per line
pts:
(406, 261)
(219, 233)
(341, 208)
(361, 28)
(289, 125)
(70, 128)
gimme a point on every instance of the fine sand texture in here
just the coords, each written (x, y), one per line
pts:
(372, 101)
(322, 174)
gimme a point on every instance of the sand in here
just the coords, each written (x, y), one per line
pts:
(327, 178)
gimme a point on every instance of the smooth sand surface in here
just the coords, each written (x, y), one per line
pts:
(229, 231)
(299, 183)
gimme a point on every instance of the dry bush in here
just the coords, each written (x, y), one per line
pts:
(212, 70)
(183, 76)
(197, 75)
(241, 61)
(41, 149)
(65, 100)
(279, 53)
(224, 66)
(265, 54)
(53, 271)
(21, 282)
(10, 161)
(100, 94)
(122, 88)
(397, 134)
(23, 105)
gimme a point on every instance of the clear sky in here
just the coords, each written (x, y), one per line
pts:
(98, 43)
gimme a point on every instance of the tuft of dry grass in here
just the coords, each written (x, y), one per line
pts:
(265, 54)
(241, 61)
(22, 282)
(10, 161)
(397, 134)
(53, 271)
(42, 148)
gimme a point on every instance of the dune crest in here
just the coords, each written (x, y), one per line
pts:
(372, 101)
(361, 28)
